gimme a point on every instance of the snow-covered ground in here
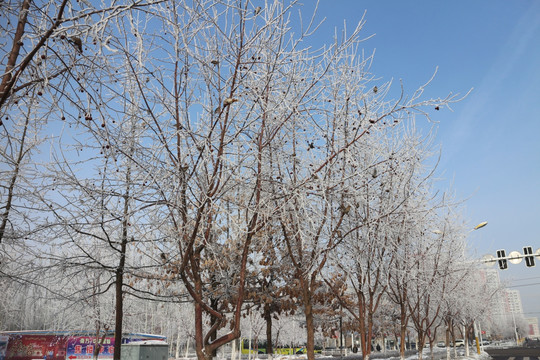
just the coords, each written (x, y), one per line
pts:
(438, 353)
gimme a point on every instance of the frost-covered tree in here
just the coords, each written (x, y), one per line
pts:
(98, 223)
(268, 292)
(409, 247)
(441, 266)
(51, 72)
(207, 143)
(386, 172)
(47, 50)
(45, 42)
(186, 133)
(329, 165)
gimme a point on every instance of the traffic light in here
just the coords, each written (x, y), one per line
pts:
(529, 257)
(501, 256)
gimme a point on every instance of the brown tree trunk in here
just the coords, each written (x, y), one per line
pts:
(310, 345)
(421, 340)
(213, 321)
(365, 342)
(268, 319)
(308, 310)
(119, 306)
(199, 331)
(403, 330)
(369, 334)
(448, 339)
(119, 310)
(119, 280)
(402, 337)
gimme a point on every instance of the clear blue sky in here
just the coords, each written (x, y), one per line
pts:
(491, 141)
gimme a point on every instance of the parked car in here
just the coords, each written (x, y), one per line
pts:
(441, 344)
(459, 343)
(483, 343)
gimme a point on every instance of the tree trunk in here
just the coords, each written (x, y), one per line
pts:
(310, 345)
(403, 331)
(119, 307)
(213, 321)
(199, 332)
(421, 341)
(119, 280)
(308, 310)
(370, 333)
(402, 337)
(268, 319)
(448, 341)
(365, 341)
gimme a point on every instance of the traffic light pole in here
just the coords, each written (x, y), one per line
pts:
(515, 328)
(514, 257)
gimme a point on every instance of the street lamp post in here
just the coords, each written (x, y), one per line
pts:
(476, 338)
(515, 327)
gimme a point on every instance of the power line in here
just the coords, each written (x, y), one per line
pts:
(529, 278)
(512, 286)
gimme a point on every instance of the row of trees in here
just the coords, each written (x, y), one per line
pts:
(197, 152)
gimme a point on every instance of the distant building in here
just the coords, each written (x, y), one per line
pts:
(506, 309)
(533, 331)
(513, 302)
